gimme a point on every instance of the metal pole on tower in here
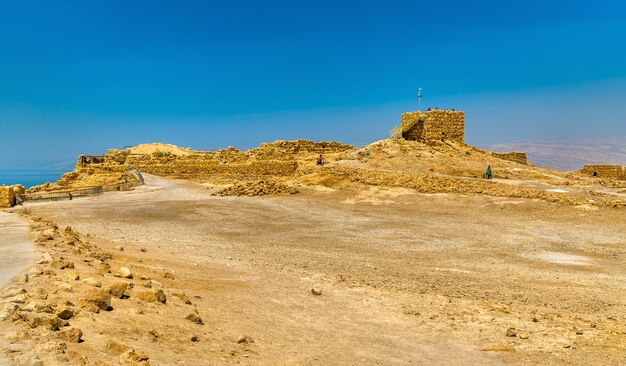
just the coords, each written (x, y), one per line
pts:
(419, 99)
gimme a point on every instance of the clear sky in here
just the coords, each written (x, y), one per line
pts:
(83, 76)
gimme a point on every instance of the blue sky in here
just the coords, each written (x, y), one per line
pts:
(83, 76)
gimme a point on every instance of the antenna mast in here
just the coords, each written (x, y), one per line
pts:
(419, 99)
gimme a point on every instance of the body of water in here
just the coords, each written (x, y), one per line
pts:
(28, 177)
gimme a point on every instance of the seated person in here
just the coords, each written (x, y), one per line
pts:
(320, 160)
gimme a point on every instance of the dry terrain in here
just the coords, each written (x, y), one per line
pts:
(341, 273)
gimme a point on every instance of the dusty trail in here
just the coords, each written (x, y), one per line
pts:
(16, 252)
(406, 278)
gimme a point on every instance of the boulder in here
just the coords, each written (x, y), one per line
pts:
(133, 357)
(46, 321)
(73, 335)
(92, 282)
(124, 272)
(116, 348)
(99, 298)
(65, 313)
(71, 275)
(117, 290)
(155, 295)
(194, 317)
(182, 297)
(62, 264)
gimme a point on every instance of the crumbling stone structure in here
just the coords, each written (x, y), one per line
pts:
(515, 156)
(9, 195)
(611, 171)
(115, 169)
(434, 125)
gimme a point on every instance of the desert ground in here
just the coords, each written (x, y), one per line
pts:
(362, 275)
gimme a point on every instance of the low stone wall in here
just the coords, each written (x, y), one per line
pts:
(516, 156)
(182, 168)
(611, 171)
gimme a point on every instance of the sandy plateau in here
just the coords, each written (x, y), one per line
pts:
(345, 272)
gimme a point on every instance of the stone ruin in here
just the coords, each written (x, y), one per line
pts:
(434, 125)
(277, 159)
(515, 156)
(9, 195)
(611, 171)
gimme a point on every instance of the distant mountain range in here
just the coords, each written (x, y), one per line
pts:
(569, 155)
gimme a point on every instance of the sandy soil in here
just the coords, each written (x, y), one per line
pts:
(406, 278)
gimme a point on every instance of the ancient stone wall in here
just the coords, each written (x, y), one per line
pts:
(276, 159)
(183, 168)
(7, 197)
(434, 125)
(515, 156)
(611, 171)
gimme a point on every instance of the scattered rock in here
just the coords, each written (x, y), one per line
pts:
(63, 286)
(73, 335)
(65, 313)
(169, 275)
(116, 348)
(92, 282)
(46, 321)
(118, 290)
(316, 291)
(511, 332)
(194, 317)
(99, 298)
(143, 250)
(579, 332)
(257, 188)
(124, 272)
(133, 357)
(105, 268)
(13, 292)
(72, 276)
(119, 248)
(523, 336)
(182, 297)
(195, 339)
(156, 296)
(62, 264)
(245, 339)
(154, 336)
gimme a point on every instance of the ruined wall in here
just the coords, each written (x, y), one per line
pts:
(434, 125)
(7, 197)
(277, 159)
(516, 156)
(183, 168)
(611, 171)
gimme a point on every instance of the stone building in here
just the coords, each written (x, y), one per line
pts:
(433, 125)
(611, 171)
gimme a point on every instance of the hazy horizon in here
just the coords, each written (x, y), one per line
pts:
(81, 78)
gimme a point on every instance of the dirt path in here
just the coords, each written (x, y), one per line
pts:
(16, 252)
(406, 278)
